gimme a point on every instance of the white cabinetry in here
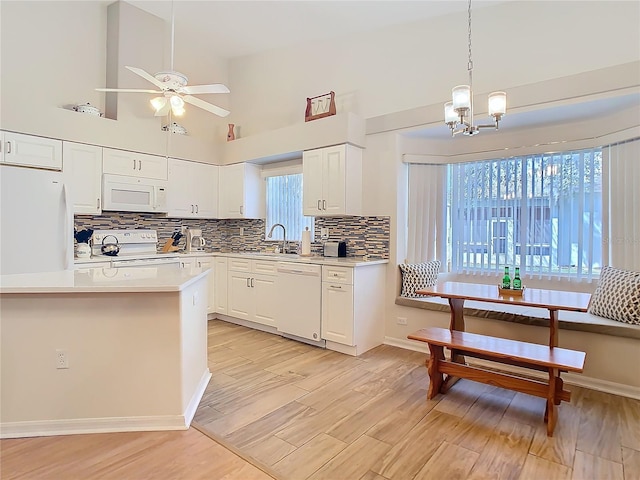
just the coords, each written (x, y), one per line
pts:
(30, 151)
(241, 191)
(193, 189)
(203, 262)
(252, 289)
(353, 307)
(220, 284)
(83, 173)
(121, 162)
(332, 181)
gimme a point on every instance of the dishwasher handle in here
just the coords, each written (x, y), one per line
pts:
(299, 271)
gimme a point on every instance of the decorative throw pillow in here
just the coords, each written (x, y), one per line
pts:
(418, 275)
(617, 296)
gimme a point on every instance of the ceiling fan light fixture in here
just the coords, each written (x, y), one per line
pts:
(158, 102)
(176, 102)
(177, 111)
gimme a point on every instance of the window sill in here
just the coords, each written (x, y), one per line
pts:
(577, 321)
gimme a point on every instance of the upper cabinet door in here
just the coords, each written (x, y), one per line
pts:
(83, 174)
(207, 191)
(312, 180)
(193, 189)
(334, 185)
(180, 190)
(30, 151)
(332, 181)
(241, 191)
(121, 162)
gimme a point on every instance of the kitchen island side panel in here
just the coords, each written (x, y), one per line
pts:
(123, 350)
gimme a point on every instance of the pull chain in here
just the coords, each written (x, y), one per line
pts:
(470, 68)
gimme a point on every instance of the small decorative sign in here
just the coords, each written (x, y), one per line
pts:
(320, 106)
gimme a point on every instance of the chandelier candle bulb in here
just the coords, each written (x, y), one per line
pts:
(461, 98)
(497, 104)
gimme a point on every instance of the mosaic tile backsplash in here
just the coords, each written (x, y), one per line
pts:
(364, 235)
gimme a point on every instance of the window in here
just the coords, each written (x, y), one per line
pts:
(284, 205)
(542, 213)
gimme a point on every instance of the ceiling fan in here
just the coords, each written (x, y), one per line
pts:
(173, 90)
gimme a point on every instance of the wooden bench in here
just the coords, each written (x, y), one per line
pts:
(553, 360)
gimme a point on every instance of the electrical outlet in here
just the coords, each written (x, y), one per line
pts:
(324, 233)
(62, 360)
(242, 231)
(401, 321)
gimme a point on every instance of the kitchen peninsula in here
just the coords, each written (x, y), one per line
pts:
(102, 350)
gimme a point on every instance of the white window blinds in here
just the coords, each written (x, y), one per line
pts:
(284, 205)
(622, 212)
(542, 213)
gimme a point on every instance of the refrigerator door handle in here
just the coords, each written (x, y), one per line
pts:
(68, 242)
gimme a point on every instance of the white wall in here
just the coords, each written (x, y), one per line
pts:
(54, 55)
(399, 68)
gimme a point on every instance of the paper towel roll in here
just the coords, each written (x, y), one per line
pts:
(306, 242)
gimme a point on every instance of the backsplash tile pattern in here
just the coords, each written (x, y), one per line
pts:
(364, 235)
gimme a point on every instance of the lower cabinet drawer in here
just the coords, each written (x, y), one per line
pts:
(337, 274)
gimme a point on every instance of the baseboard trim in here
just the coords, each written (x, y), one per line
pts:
(569, 378)
(46, 428)
(190, 412)
(246, 323)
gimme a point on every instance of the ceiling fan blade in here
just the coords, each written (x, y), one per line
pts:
(128, 90)
(213, 88)
(206, 106)
(146, 76)
(164, 110)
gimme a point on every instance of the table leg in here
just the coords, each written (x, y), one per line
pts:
(457, 317)
(456, 306)
(553, 328)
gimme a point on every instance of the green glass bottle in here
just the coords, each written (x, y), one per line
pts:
(506, 280)
(517, 283)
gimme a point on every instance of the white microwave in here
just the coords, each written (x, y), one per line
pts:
(133, 194)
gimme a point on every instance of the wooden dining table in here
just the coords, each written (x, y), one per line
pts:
(552, 300)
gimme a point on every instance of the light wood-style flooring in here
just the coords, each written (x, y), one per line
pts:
(302, 412)
(294, 411)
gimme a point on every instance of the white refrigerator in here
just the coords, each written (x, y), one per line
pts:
(36, 221)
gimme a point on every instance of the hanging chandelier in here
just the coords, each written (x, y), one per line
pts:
(458, 114)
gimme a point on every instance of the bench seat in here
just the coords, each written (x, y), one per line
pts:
(554, 360)
(577, 321)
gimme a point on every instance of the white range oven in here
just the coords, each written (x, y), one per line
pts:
(138, 248)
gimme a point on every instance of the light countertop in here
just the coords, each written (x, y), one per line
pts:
(129, 280)
(276, 257)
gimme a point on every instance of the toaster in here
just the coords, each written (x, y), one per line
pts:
(335, 249)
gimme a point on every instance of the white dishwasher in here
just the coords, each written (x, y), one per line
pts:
(300, 301)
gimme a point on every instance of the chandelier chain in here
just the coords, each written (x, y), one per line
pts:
(470, 64)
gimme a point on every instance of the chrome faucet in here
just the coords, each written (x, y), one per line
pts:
(284, 235)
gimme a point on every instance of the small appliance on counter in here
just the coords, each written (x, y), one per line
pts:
(335, 249)
(195, 240)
